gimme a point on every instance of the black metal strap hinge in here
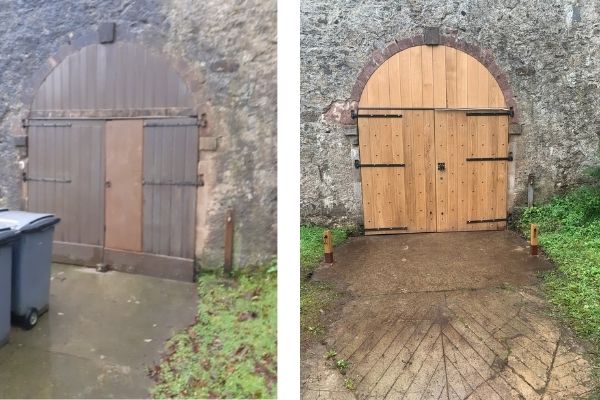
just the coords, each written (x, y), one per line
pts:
(171, 183)
(483, 221)
(357, 165)
(392, 228)
(509, 158)
(483, 113)
(54, 180)
(355, 115)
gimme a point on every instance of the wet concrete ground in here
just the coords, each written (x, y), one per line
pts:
(444, 316)
(102, 331)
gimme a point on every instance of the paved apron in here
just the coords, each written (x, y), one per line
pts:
(444, 316)
(99, 337)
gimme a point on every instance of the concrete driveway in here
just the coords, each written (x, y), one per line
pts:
(102, 331)
(443, 316)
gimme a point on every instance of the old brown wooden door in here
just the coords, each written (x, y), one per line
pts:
(433, 138)
(125, 191)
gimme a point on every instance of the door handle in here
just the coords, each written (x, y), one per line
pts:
(441, 166)
(107, 184)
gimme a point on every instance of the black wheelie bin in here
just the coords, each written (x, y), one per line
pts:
(7, 238)
(31, 261)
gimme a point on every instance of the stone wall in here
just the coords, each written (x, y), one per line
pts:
(229, 50)
(548, 52)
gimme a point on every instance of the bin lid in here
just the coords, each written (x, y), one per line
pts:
(7, 234)
(24, 221)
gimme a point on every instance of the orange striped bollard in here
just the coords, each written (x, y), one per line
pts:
(328, 246)
(534, 239)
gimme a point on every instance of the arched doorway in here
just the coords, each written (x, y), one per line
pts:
(433, 140)
(113, 151)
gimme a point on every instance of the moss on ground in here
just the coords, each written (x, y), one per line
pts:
(315, 297)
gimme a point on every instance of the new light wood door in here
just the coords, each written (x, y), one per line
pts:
(398, 173)
(471, 188)
(433, 139)
(433, 171)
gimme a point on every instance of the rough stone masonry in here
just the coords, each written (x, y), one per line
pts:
(230, 47)
(547, 50)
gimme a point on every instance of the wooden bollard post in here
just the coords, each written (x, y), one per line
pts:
(534, 239)
(228, 247)
(328, 246)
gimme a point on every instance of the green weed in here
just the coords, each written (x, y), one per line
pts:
(349, 384)
(231, 349)
(342, 366)
(330, 354)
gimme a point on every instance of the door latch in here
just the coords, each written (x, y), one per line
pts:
(441, 166)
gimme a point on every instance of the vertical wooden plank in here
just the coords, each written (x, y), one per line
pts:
(97, 177)
(461, 79)
(410, 190)
(430, 168)
(463, 193)
(124, 144)
(416, 76)
(441, 156)
(395, 86)
(364, 139)
(439, 77)
(501, 182)
(486, 170)
(191, 175)
(164, 192)
(451, 88)
(405, 78)
(178, 175)
(492, 182)
(496, 98)
(101, 76)
(397, 192)
(473, 93)
(419, 155)
(452, 168)
(149, 175)
(388, 211)
(79, 189)
(427, 67)
(483, 99)
(472, 168)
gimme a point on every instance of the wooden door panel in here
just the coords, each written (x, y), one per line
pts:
(66, 177)
(398, 198)
(124, 143)
(487, 138)
(170, 186)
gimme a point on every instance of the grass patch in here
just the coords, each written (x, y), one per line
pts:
(315, 297)
(231, 349)
(569, 232)
(311, 246)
